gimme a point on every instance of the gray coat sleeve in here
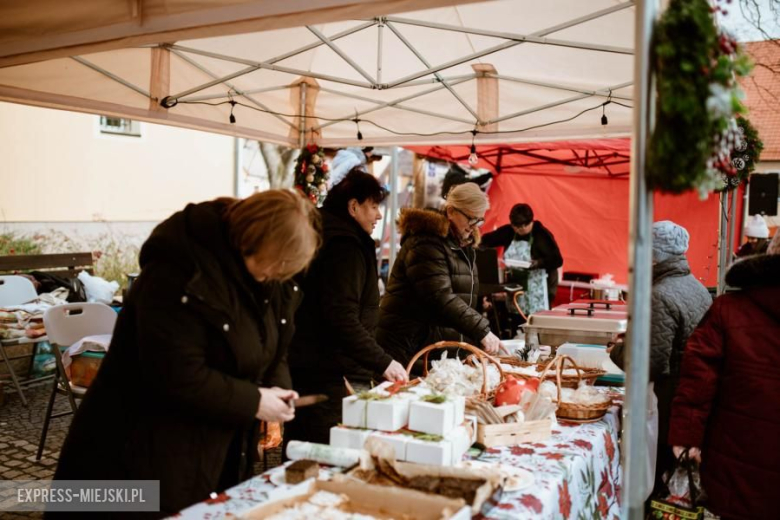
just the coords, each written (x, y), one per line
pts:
(663, 330)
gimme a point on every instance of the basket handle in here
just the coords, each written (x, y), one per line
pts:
(558, 363)
(477, 353)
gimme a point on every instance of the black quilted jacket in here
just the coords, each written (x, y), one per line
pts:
(432, 291)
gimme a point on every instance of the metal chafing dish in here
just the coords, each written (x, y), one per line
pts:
(593, 322)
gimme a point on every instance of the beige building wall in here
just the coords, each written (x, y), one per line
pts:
(57, 166)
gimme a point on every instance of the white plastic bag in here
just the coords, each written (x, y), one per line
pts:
(97, 289)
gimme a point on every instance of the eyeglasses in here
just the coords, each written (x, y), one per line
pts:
(472, 221)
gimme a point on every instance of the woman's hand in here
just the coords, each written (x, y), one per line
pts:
(396, 372)
(491, 344)
(275, 404)
(693, 453)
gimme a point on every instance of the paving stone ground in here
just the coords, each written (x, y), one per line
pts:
(20, 430)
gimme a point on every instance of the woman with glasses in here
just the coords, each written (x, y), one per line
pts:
(527, 240)
(432, 291)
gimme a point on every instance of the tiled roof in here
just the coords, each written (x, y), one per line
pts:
(763, 95)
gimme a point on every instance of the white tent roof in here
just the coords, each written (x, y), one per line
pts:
(507, 68)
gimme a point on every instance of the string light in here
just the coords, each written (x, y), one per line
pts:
(604, 120)
(473, 157)
(232, 118)
(169, 102)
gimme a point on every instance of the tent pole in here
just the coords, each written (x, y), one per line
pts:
(722, 242)
(302, 128)
(732, 224)
(640, 273)
(393, 205)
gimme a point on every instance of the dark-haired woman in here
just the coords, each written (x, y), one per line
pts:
(336, 322)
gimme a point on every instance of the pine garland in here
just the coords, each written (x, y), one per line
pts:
(311, 174)
(698, 99)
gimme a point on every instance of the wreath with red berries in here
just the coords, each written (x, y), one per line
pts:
(698, 100)
(311, 173)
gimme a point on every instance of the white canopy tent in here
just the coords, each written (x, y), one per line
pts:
(513, 71)
(507, 69)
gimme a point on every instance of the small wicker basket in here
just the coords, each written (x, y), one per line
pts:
(483, 358)
(574, 411)
(589, 375)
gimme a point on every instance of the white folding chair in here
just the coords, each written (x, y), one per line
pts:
(15, 290)
(65, 325)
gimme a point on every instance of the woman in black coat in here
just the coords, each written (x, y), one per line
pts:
(338, 317)
(432, 291)
(198, 354)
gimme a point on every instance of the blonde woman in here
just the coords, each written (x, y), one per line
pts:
(432, 291)
(199, 351)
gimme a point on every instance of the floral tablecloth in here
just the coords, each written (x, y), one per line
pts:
(577, 472)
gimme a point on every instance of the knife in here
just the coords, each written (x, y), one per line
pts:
(308, 400)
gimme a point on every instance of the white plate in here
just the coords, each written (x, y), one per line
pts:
(516, 478)
(522, 264)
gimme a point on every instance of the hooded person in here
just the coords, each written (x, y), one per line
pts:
(678, 303)
(456, 176)
(348, 159)
(727, 406)
(757, 237)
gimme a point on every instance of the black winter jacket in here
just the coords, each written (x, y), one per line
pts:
(544, 250)
(176, 396)
(432, 291)
(338, 317)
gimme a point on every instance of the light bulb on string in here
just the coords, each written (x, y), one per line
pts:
(357, 124)
(232, 117)
(604, 119)
(473, 158)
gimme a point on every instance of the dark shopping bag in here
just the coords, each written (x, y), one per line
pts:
(683, 494)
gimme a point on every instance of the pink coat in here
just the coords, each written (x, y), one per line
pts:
(728, 399)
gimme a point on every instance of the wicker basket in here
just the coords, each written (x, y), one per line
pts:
(573, 411)
(476, 353)
(589, 375)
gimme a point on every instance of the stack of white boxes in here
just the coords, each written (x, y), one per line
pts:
(408, 412)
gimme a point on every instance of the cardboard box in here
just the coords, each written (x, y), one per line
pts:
(354, 412)
(510, 434)
(388, 415)
(461, 441)
(378, 501)
(396, 440)
(437, 418)
(447, 452)
(352, 438)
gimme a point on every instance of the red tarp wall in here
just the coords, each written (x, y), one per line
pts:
(589, 218)
(588, 212)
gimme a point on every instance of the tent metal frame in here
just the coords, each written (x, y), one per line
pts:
(431, 74)
(434, 72)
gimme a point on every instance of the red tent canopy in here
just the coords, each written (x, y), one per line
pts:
(579, 190)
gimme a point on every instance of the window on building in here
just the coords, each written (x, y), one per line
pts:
(119, 126)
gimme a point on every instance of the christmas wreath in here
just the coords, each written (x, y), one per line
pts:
(698, 100)
(311, 173)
